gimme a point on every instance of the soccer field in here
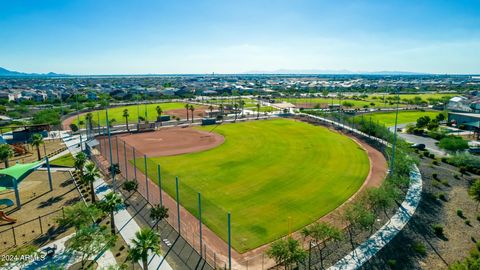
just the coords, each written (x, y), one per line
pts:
(274, 176)
(403, 117)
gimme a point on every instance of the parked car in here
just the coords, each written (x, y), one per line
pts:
(419, 146)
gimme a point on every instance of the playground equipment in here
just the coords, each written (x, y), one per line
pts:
(6, 202)
(19, 149)
(4, 217)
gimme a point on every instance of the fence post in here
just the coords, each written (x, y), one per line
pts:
(125, 158)
(178, 204)
(134, 165)
(14, 236)
(49, 174)
(118, 158)
(146, 175)
(159, 184)
(110, 148)
(200, 221)
(41, 227)
(229, 243)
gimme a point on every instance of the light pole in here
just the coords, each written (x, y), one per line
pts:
(392, 162)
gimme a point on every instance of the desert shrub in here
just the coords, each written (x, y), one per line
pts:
(432, 156)
(426, 154)
(445, 183)
(444, 160)
(437, 229)
(468, 223)
(419, 248)
(460, 213)
(453, 144)
(442, 196)
(392, 263)
(435, 176)
(435, 162)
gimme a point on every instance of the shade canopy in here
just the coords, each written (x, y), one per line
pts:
(18, 172)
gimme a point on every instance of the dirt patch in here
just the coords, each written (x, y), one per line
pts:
(445, 191)
(173, 141)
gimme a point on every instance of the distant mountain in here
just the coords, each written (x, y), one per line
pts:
(8, 73)
(333, 72)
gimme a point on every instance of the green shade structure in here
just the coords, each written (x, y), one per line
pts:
(12, 176)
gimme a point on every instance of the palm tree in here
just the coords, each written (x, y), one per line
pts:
(146, 240)
(126, 115)
(258, 110)
(192, 109)
(79, 162)
(211, 108)
(37, 140)
(89, 118)
(91, 173)
(159, 112)
(242, 105)
(235, 108)
(6, 152)
(158, 213)
(221, 107)
(187, 107)
(111, 204)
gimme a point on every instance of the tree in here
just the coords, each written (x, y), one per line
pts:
(158, 213)
(74, 127)
(380, 198)
(111, 204)
(126, 115)
(79, 215)
(453, 144)
(440, 117)
(130, 186)
(474, 191)
(37, 140)
(287, 252)
(89, 241)
(192, 109)
(89, 118)
(112, 122)
(211, 108)
(358, 216)
(258, 110)
(242, 105)
(159, 112)
(79, 162)
(91, 173)
(235, 110)
(321, 232)
(423, 121)
(146, 240)
(187, 107)
(6, 152)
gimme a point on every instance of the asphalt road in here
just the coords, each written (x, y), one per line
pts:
(429, 142)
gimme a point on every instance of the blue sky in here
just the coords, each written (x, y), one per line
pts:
(222, 36)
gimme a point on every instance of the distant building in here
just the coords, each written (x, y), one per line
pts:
(459, 104)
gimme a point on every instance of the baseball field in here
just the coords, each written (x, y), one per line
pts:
(404, 117)
(274, 176)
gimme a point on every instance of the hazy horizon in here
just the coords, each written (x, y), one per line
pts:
(87, 37)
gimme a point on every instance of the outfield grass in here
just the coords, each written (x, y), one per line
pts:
(117, 112)
(65, 161)
(403, 117)
(274, 176)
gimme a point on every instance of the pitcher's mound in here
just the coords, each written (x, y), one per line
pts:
(173, 141)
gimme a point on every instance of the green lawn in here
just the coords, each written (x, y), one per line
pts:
(403, 117)
(65, 161)
(328, 101)
(273, 176)
(117, 112)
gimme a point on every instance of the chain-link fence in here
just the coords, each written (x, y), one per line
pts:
(32, 231)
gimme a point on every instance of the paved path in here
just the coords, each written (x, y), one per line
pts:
(63, 258)
(124, 222)
(430, 144)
